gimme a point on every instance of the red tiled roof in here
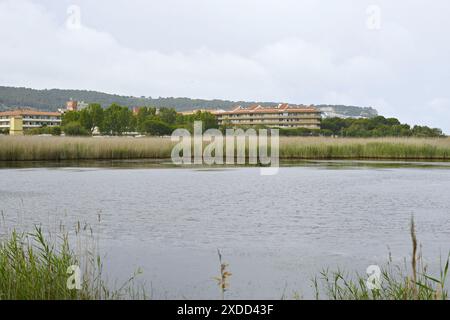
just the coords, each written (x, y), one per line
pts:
(279, 109)
(29, 113)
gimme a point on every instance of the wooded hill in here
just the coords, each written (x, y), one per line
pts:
(51, 100)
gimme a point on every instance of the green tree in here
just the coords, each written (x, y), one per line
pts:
(117, 120)
(75, 129)
(168, 115)
(96, 114)
(144, 114)
(85, 119)
(70, 116)
(156, 128)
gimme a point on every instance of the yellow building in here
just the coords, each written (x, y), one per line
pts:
(16, 126)
(18, 120)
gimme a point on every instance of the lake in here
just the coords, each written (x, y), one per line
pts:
(276, 232)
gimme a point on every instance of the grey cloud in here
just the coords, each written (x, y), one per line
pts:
(294, 51)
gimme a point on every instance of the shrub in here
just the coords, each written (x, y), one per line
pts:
(54, 131)
(75, 129)
(156, 128)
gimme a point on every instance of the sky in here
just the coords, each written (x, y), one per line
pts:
(390, 55)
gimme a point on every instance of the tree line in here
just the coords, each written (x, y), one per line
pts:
(375, 127)
(119, 120)
(378, 126)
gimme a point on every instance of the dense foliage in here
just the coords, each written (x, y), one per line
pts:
(361, 128)
(118, 120)
(54, 131)
(376, 127)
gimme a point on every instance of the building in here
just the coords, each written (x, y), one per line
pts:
(72, 105)
(18, 120)
(16, 126)
(191, 112)
(280, 116)
(82, 105)
(136, 110)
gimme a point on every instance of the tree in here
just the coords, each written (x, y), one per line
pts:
(168, 115)
(85, 119)
(209, 121)
(71, 116)
(117, 120)
(96, 114)
(156, 128)
(376, 127)
(144, 114)
(75, 129)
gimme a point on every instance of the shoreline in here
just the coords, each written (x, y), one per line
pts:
(167, 164)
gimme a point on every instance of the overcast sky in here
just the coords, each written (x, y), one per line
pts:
(391, 55)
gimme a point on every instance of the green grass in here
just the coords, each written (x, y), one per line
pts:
(370, 148)
(32, 148)
(31, 268)
(396, 283)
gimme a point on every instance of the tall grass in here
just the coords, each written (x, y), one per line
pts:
(369, 148)
(27, 148)
(33, 268)
(70, 148)
(395, 281)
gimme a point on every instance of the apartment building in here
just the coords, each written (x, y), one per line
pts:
(27, 119)
(280, 116)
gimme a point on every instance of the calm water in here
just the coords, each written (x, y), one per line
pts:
(276, 232)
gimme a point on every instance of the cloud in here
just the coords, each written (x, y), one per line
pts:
(294, 51)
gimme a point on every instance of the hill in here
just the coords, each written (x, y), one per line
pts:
(51, 100)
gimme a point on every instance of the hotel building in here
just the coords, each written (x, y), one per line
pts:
(18, 120)
(281, 116)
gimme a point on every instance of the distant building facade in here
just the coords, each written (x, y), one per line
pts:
(18, 120)
(280, 116)
(191, 112)
(72, 105)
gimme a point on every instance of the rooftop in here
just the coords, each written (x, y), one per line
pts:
(282, 107)
(29, 112)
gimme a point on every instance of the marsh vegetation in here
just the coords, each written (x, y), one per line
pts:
(37, 148)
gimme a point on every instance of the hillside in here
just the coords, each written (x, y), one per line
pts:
(53, 99)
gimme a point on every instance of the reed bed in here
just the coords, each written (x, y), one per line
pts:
(82, 148)
(365, 148)
(34, 148)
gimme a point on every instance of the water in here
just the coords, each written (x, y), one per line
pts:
(276, 232)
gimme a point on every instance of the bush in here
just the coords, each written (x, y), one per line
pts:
(75, 129)
(54, 131)
(156, 128)
(377, 127)
(300, 132)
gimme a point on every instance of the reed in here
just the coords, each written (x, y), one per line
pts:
(365, 148)
(33, 148)
(395, 282)
(34, 268)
